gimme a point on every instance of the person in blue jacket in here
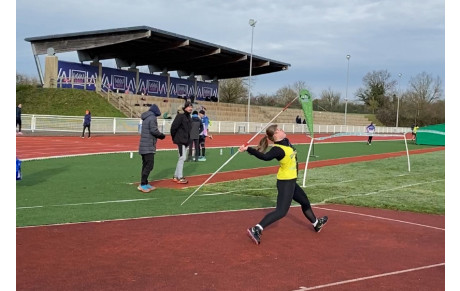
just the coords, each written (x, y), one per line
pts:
(87, 124)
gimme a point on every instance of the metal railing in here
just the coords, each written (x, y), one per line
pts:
(118, 125)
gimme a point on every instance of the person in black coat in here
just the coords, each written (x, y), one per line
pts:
(147, 145)
(18, 117)
(180, 133)
(298, 120)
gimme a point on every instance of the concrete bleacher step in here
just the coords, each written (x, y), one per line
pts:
(218, 111)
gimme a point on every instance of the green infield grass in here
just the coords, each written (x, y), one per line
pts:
(102, 187)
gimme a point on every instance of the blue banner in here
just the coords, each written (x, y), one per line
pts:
(81, 76)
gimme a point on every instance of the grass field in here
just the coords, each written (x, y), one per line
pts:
(100, 187)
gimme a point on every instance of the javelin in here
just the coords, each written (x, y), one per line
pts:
(265, 126)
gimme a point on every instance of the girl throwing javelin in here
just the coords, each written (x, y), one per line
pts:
(288, 189)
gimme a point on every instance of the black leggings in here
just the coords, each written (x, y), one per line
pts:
(89, 130)
(288, 190)
(202, 145)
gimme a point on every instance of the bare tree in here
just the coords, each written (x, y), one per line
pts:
(26, 80)
(232, 90)
(424, 90)
(285, 95)
(378, 87)
(329, 99)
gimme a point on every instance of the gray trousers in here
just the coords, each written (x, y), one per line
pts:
(182, 150)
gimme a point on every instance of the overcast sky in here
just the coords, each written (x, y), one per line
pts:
(314, 37)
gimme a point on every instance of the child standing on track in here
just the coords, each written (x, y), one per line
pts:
(286, 183)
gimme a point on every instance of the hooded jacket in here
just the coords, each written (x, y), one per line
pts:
(87, 119)
(180, 129)
(149, 131)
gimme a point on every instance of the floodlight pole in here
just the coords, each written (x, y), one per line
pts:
(252, 23)
(346, 92)
(399, 95)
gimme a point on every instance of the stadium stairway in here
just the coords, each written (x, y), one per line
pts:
(134, 105)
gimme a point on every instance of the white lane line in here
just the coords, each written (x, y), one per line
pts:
(85, 203)
(369, 277)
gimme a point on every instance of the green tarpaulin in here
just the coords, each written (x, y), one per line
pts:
(432, 135)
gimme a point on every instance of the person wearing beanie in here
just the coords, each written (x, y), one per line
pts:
(147, 145)
(197, 128)
(180, 134)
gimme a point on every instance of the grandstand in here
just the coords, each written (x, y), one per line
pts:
(134, 106)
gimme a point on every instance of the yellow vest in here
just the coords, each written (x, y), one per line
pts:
(288, 164)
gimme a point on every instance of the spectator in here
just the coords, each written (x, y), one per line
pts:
(197, 128)
(147, 145)
(370, 129)
(18, 117)
(298, 120)
(203, 134)
(304, 121)
(87, 124)
(180, 133)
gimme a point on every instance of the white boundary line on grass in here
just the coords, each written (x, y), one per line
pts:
(380, 217)
(380, 191)
(369, 277)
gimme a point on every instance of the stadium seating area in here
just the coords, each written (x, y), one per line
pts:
(219, 111)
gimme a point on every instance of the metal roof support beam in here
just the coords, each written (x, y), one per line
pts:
(70, 44)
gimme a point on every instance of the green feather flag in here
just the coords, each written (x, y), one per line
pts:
(307, 107)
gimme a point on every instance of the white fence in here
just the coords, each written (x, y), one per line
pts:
(117, 125)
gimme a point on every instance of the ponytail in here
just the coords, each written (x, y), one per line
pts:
(263, 143)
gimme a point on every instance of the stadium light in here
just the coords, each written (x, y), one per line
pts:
(346, 92)
(399, 95)
(252, 23)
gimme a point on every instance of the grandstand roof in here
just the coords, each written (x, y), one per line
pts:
(160, 50)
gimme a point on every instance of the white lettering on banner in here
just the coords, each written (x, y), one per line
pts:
(119, 82)
(79, 77)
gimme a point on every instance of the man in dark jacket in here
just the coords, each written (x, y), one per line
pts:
(147, 145)
(180, 133)
(18, 117)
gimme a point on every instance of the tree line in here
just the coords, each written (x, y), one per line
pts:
(422, 103)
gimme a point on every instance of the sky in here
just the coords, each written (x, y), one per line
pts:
(314, 37)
